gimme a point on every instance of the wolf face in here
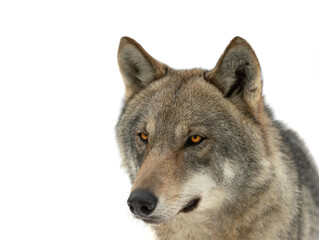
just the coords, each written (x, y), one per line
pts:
(193, 140)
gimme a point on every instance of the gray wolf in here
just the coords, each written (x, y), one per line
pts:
(205, 155)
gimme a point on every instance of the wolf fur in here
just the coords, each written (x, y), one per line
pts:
(252, 177)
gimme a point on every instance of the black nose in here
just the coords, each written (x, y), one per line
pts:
(142, 202)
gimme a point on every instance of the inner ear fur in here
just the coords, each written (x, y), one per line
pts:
(137, 67)
(237, 75)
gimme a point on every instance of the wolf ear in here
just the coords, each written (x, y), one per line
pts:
(137, 67)
(238, 76)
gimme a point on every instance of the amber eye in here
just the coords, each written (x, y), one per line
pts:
(194, 140)
(144, 137)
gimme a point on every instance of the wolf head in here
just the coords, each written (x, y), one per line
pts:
(194, 140)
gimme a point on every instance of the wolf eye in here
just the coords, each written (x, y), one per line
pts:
(144, 137)
(194, 140)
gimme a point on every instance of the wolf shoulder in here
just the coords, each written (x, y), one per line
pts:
(308, 178)
(305, 166)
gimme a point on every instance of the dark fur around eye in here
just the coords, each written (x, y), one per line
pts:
(143, 137)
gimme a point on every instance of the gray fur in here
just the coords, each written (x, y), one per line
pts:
(265, 183)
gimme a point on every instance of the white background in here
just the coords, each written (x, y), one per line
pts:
(61, 93)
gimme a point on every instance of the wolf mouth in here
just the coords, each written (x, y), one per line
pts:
(191, 205)
(151, 221)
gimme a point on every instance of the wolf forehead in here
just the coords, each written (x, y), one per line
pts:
(181, 99)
